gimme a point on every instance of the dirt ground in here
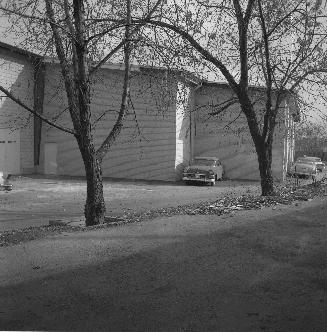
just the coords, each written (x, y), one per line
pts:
(262, 270)
(256, 270)
(36, 200)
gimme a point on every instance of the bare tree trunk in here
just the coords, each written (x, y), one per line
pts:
(95, 207)
(264, 153)
(263, 145)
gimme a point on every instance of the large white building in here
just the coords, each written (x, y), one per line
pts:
(167, 124)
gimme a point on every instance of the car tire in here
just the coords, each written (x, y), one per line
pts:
(216, 178)
(212, 183)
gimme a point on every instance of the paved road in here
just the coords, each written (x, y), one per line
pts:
(262, 270)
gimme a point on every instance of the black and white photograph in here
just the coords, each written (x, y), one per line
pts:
(163, 165)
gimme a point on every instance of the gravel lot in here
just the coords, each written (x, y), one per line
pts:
(36, 200)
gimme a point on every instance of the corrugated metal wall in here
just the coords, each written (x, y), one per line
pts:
(146, 147)
(159, 138)
(227, 136)
(167, 124)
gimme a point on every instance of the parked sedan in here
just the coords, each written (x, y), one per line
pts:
(305, 168)
(319, 164)
(203, 169)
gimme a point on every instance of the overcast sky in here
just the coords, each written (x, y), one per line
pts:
(10, 38)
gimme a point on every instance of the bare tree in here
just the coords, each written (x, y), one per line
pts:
(85, 35)
(277, 44)
(311, 139)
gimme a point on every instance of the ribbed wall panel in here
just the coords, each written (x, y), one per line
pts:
(146, 146)
(227, 135)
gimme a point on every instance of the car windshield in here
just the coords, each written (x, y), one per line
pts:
(204, 162)
(304, 161)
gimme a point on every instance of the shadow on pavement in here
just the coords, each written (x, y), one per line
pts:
(254, 274)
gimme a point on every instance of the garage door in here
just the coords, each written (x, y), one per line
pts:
(10, 151)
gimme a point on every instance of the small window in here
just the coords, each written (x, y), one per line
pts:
(11, 141)
(2, 141)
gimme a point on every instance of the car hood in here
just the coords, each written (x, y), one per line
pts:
(198, 168)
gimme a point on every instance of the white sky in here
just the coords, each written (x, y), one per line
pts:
(12, 39)
(3, 26)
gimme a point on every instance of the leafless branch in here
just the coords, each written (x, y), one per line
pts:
(40, 116)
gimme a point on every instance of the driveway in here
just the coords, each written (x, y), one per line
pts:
(36, 200)
(259, 270)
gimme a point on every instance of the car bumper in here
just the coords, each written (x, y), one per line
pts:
(304, 174)
(6, 187)
(185, 178)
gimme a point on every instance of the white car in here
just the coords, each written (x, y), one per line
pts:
(319, 164)
(204, 169)
(305, 168)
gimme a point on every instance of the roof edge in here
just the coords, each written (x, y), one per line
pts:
(251, 86)
(20, 51)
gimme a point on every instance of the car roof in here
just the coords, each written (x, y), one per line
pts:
(309, 157)
(315, 159)
(209, 158)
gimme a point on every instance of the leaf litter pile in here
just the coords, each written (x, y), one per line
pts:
(284, 195)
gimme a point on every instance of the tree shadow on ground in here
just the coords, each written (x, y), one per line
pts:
(267, 274)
